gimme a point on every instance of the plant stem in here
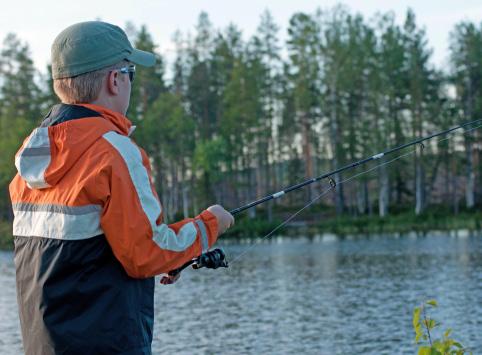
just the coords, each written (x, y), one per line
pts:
(426, 325)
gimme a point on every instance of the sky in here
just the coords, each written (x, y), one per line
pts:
(38, 22)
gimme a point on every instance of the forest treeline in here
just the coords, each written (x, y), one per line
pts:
(231, 119)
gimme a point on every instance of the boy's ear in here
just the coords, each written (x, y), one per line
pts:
(112, 82)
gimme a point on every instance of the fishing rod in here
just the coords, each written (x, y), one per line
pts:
(349, 166)
(216, 258)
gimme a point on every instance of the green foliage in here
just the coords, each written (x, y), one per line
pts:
(6, 237)
(424, 327)
(237, 122)
(209, 157)
(402, 221)
(20, 107)
(246, 227)
(168, 128)
(149, 82)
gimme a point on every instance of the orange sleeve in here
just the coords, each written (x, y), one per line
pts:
(132, 217)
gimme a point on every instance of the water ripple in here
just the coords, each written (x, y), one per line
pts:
(309, 296)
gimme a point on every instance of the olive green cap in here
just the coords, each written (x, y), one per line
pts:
(93, 45)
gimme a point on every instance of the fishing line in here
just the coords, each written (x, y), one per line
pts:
(333, 187)
(216, 258)
(323, 193)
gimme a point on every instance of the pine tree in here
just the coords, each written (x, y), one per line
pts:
(303, 74)
(422, 89)
(391, 93)
(169, 138)
(263, 57)
(466, 60)
(149, 81)
(359, 79)
(19, 107)
(335, 53)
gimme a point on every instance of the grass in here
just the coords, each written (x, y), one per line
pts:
(245, 227)
(403, 221)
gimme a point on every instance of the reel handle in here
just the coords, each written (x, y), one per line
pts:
(211, 260)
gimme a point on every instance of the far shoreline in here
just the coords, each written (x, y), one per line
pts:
(402, 225)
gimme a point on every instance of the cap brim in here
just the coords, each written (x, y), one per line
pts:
(143, 58)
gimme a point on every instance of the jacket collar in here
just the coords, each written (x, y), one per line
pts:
(65, 112)
(120, 121)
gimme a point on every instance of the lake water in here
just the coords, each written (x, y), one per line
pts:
(308, 296)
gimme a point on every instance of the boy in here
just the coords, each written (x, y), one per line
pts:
(88, 227)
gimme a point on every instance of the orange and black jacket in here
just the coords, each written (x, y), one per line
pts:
(89, 235)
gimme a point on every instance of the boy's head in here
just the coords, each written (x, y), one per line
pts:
(93, 62)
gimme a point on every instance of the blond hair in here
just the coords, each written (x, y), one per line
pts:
(83, 88)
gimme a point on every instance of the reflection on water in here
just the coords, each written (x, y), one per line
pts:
(10, 338)
(311, 296)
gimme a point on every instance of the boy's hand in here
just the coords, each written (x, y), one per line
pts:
(225, 219)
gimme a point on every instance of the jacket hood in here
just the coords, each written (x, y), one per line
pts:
(65, 134)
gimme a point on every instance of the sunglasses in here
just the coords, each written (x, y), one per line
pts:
(131, 70)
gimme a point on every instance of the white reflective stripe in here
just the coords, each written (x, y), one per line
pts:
(131, 130)
(36, 152)
(162, 235)
(54, 208)
(31, 162)
(204, 235)
(56, 225)
(166, 238)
